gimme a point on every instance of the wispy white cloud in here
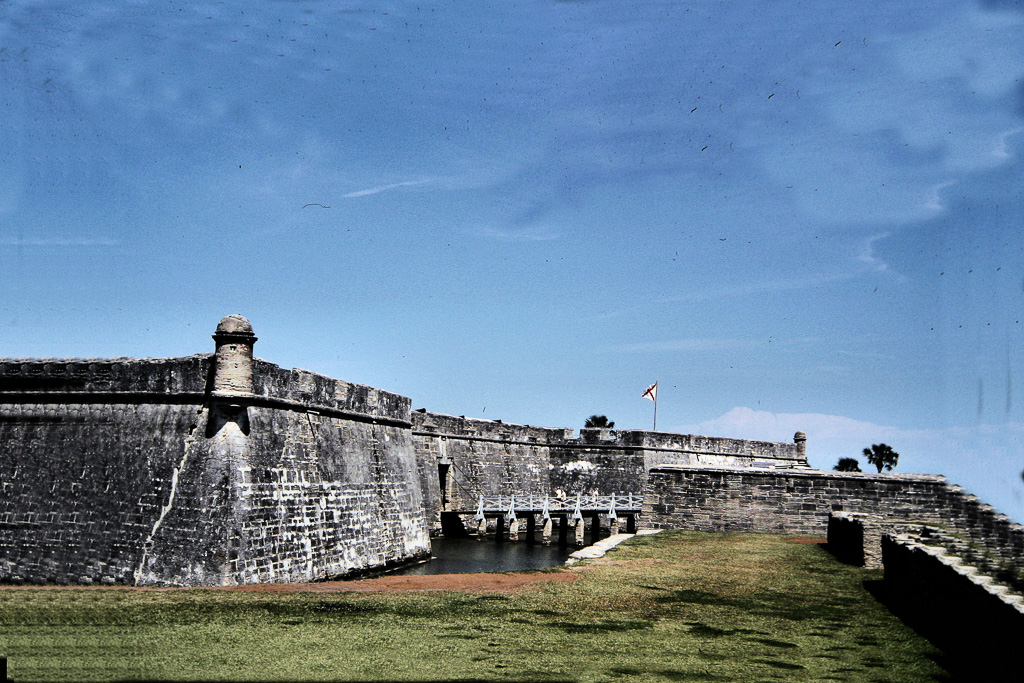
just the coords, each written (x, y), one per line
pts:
(866, 254)
(860, 258)
(59, 242)
(525, 235)
(923, 107)
(861, 354)
(1000, 148)
(761, 287)
(934, 201)
(699, 344)
(383, 188)
(694, 345)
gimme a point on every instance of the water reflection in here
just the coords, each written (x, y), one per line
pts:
(467, 555)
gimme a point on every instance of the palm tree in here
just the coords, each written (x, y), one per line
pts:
(598, 422)
(847, 465)
(881, 456)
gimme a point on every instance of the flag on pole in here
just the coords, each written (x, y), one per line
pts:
(652, 393)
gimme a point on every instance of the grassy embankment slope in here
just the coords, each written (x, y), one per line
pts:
(673, 607)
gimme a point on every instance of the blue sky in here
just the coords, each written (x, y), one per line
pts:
(791, 215)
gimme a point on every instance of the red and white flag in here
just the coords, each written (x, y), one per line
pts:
(652, 392)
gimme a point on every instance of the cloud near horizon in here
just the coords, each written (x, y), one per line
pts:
(996, 476)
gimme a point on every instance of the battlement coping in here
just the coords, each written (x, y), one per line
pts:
(801, 473)
(426, 422)
(186, 379)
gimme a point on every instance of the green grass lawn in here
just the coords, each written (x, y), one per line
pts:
(680, 606)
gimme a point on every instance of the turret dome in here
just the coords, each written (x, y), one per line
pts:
(234, 324)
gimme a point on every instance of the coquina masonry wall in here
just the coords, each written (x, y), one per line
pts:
(799, 502)
(977, 623)
(466, 458)
(136, 472)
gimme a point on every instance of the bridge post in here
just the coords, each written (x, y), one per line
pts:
(545, 534)
(563, 530)
(613, 526)
(531, 528)
(513, 520)
(595, 527)
(481, 529)
(578, 532)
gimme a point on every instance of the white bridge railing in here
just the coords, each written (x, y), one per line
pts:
(545, 506)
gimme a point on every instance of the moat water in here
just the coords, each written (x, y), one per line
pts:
(468, 555)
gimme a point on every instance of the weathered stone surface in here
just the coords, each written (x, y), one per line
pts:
(800, 502)
(134, 471)
(977, 624)
(490, 457)
(151, 472)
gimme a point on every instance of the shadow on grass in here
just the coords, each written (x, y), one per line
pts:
(779, 665)
(601, 626)
(670, 674)
(347, 680)
(765, 604)
(962, 667)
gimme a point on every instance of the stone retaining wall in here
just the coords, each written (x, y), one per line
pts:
(977, 623)
(800, 502)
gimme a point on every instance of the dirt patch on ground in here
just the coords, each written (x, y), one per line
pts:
(509, 582)
(632, 563)
(815, 540)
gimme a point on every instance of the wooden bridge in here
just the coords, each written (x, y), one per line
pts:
(553, 512)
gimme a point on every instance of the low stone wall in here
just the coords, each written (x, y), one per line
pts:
(976, 623)
(856, 538)
(800, 502)
(778, 501)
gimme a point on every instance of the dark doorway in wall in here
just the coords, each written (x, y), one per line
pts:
(442, 476)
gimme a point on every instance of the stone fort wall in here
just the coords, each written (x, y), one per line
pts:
(223, 468)
(462, 458)
(151, 472)
(800, 502)
(977, 623)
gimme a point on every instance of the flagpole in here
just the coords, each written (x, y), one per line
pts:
(652, 393)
